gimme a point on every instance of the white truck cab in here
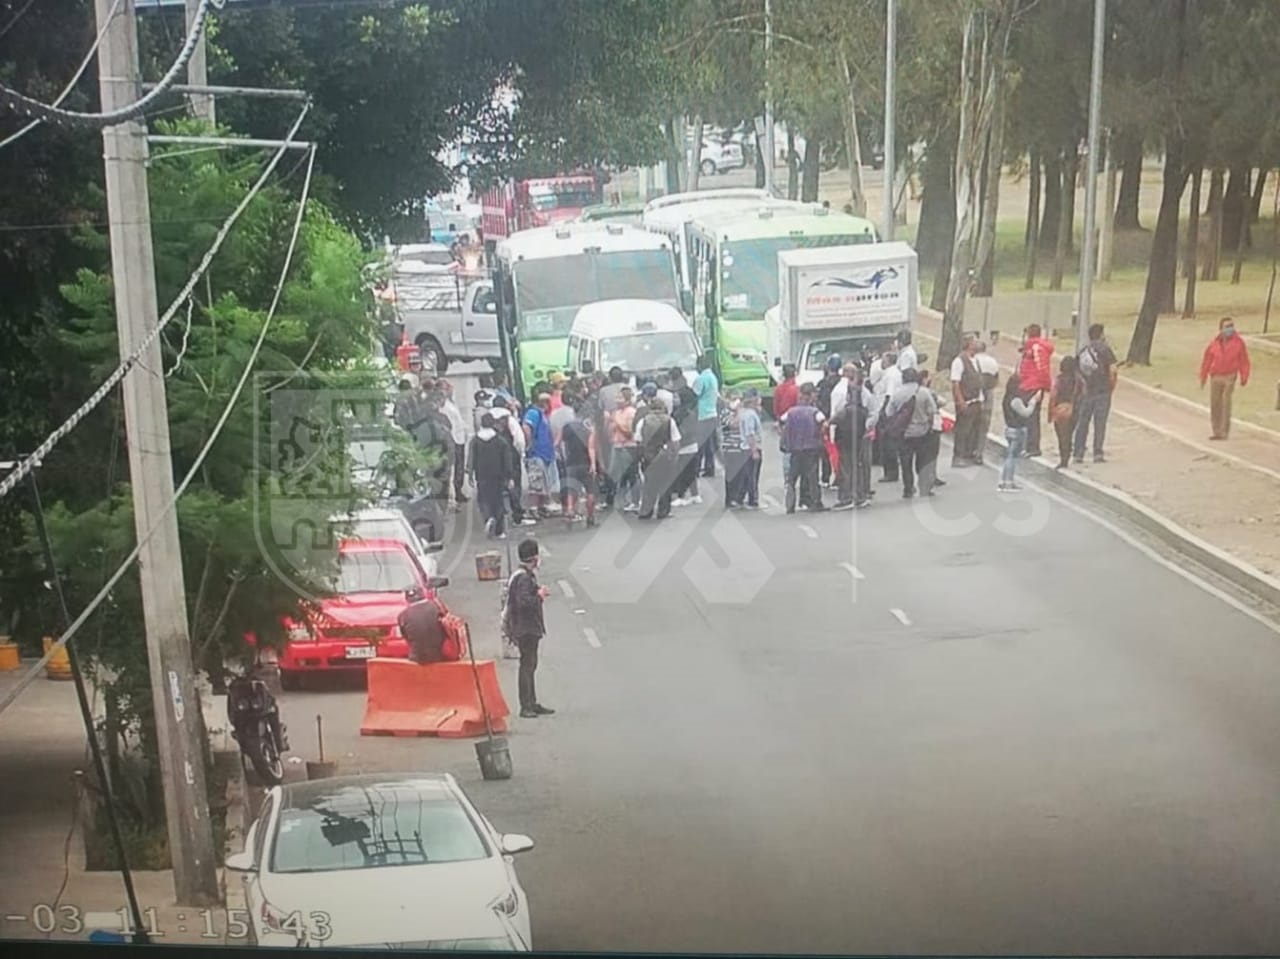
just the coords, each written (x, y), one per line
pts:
(642, 337)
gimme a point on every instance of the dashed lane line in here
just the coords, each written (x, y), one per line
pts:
(808, 530)
(592, 639)
(852, 570)
(900, 616)
(566, 588)
(770, 502)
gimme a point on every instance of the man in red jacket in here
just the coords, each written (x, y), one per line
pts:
(1035, 372)
(1225, 359)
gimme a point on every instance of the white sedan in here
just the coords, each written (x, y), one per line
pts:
(377, 523)
(382, 861)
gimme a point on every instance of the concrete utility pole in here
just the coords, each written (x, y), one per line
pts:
(768, 147)
(1088, 261)
(179, 723)
(198, 71)
(890, 117)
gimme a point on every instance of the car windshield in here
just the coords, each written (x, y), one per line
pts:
(379, 529)
(559, 198)
(549, 292)
(387, 826)
(750, 275)
(641, 352)
(430, 257)
(375, 571)
(847, 347)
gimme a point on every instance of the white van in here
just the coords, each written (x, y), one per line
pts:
(642, 337)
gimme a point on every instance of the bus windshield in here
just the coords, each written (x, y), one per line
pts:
(646, 352)
(750, 277)
(549, 292)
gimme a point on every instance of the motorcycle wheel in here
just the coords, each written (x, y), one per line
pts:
(266, 760)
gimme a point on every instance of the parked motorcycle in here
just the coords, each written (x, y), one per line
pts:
(257, 728)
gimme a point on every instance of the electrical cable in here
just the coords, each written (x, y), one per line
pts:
(11, 481)
(30, 677)
(20, 102)
(16, 17)
(66, 91)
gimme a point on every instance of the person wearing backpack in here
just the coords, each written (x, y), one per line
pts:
(1097, 365)
(802, 437)
(524, 623)
(1020, 406)
(659, 442)
(909, 419)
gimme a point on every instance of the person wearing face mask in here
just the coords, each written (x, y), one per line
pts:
(1226, 359)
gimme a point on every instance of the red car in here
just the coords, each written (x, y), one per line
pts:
(377, 579)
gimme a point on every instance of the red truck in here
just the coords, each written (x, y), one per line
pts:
(522, 204)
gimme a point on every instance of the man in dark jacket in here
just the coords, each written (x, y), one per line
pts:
(420, 626)
(493, 466)
(525, 625)
(802, 436)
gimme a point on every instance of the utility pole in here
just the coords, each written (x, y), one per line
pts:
(890, 117)
(179, 724)
(768, 151)
(1084, 315)
(198, 71)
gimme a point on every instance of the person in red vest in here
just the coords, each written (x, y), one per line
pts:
(1226, 358)
(1035, 373)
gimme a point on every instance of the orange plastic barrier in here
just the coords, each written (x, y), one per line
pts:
(435, 699)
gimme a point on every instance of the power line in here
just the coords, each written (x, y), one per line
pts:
(66, 91)
(21, 102)
(30, 677)
(16, 17)
(11, 481)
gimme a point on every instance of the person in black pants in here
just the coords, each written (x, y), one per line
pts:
(802, 428)
(493, 465)
(526, 627)
(659, 441)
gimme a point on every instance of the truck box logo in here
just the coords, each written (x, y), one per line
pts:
(869, 281)
(870, 296)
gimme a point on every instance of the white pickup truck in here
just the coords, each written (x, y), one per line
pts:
(451, 316)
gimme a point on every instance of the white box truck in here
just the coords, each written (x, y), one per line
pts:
(838, 299)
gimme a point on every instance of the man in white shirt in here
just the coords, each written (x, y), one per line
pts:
(889, 383)
(907, 359)
(966, 391)
(461, 432)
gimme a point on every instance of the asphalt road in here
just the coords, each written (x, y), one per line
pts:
(1014, 733)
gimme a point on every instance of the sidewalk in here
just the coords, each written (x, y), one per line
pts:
(42, 744)
(1159, 453)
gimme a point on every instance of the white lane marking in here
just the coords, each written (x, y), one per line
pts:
(770, 502)
(852, 570)
(566, 588)
(900, 616)
(592, 639)
(1154, 556)
(808, 531)
(543, 551)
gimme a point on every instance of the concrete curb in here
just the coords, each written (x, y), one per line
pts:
(1235, 571)
(233, 840)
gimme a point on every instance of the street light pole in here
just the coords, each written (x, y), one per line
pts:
(197, 69)
(768, 151)
(1084, 315)
(890, 117)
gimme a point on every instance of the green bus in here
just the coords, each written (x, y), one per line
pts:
(734, 257)
(544, 275)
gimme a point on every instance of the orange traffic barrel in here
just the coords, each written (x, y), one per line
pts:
(10, 655)
(59, 666)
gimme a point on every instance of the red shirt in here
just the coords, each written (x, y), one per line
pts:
(1225, 356)
(1035, 371)
(785, 395)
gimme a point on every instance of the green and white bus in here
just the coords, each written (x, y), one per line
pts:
(542, 276)
(671, 215)
(734, 259)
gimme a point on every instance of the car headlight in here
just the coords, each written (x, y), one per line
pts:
(747, 356)
(508, 905)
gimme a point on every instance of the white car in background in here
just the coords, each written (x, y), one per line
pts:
(376, 523)
(382, 862)
(720, 156)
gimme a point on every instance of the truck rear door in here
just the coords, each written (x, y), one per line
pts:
(480, 322)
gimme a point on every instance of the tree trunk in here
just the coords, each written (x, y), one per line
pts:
(759, 163)
(1192, 248)
(674, 156)
(1235, 207)
(852, 144)
(1242, 241)
(695, 165)
(1062, 245)
(1214, 211)
(811, 167)
(793, 168)
(1107, 224)
(1162, 272)
(985, 260)
(1129, 151)
(1031, 236)
(1259, 187)
(1070, 180)
(1052, 202)
(936, 229)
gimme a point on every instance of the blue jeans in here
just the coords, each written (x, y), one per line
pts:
(1016, 437)
(1093, 409)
